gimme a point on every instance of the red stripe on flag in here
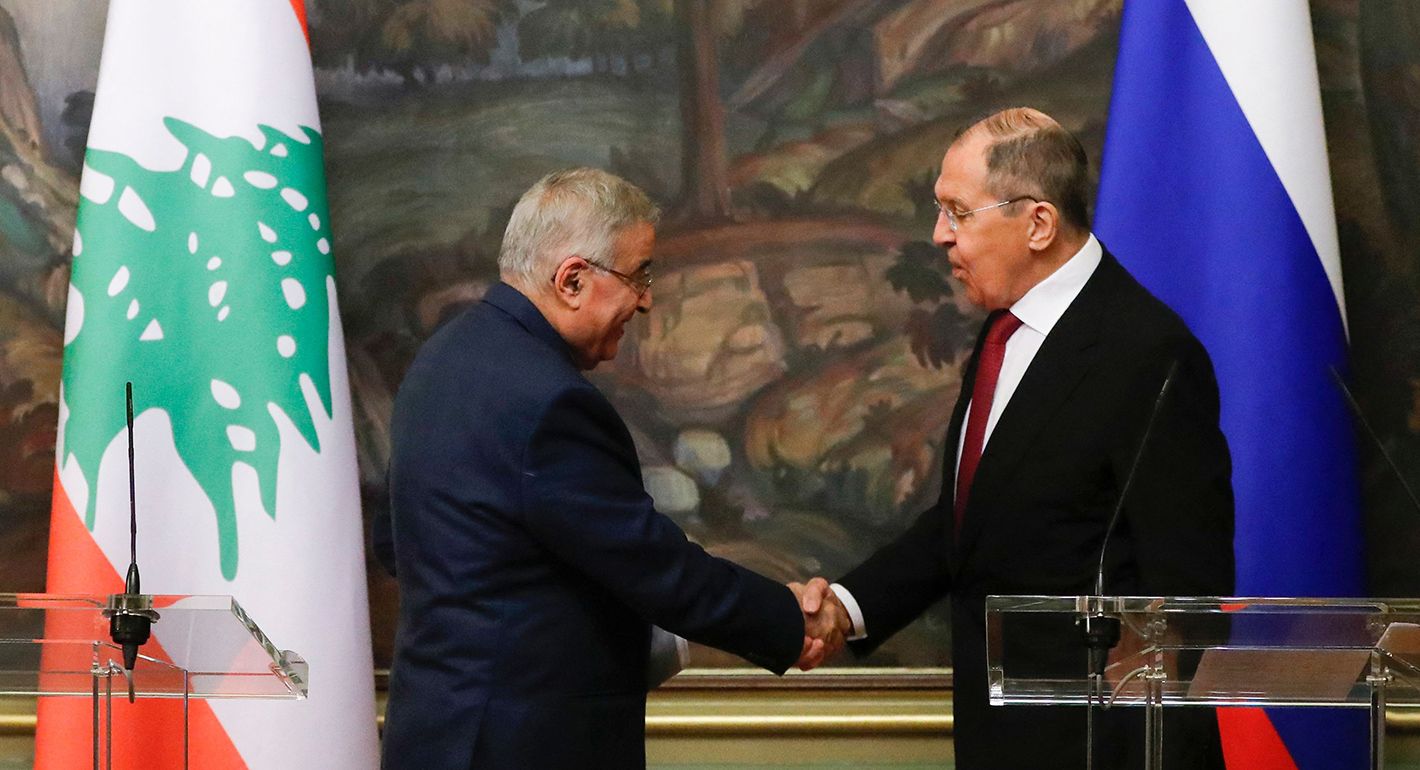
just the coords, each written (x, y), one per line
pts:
(299, 6)
(149, 732)
(1250, 742)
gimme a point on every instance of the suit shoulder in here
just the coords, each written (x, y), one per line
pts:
(484, 362)
(1139, 317)
(1146, 336)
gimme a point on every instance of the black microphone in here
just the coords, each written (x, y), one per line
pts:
(130, 614)
(1375, 439)
(1101, 631)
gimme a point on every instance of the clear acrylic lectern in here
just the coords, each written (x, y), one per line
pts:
(1195, 651)
(201, 647)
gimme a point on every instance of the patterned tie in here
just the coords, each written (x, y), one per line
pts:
(988, 370)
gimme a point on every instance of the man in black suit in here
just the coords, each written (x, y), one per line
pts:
(1054, 402)
(531, 562)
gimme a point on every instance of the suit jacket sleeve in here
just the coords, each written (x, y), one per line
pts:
(1179, 513)
(903, 578)
(583, 499)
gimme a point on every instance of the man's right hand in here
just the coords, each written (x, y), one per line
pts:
(826, 622)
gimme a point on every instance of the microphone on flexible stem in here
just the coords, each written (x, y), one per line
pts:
(130, 613)
(1375, 439)
(1101, 631)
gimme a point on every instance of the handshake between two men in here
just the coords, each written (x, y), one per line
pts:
(827, 624)
(519, 506)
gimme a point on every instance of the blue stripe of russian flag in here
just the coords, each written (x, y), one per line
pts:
(1195, 208)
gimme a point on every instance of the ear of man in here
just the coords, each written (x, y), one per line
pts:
(568, 283)
(1045, 225)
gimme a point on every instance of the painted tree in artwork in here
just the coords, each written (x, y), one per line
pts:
(784, 30)
(629, 30)
(418, 34)
(1390, 77)
(410, 37)
(704, 160)
(346, 31)
(600, 30)
(1390, 81)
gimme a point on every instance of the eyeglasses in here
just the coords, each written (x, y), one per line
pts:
(955, 218)
(639, 281)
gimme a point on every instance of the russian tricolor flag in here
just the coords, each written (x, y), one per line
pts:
(1215, 193)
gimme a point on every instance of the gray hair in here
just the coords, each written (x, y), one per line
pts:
(576, 211)
(1031, 154)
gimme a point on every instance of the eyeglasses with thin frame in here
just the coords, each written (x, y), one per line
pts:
(955, 218)
(639, 281)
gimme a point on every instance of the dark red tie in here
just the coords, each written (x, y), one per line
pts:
(988, 370)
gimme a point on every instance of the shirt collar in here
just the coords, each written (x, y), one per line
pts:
(1042, 306)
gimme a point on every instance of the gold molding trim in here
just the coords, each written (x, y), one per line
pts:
(779, 725)
(821, 679)
(836, 702)
(11, 726)
(757, 679)
(1403, 719)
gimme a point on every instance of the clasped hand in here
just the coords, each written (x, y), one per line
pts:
(826, 622)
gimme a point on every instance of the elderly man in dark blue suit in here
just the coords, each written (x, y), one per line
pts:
(531, 561)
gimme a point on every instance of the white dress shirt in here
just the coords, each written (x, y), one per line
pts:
(1039, 310)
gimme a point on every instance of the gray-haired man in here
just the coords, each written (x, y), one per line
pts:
(531, 562)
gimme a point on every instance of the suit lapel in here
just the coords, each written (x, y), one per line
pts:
(1068, 353)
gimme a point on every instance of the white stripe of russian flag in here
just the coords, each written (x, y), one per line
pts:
(1265, 51)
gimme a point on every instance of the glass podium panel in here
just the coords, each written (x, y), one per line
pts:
(1207, 651)
(1210, 651)
(201, 647)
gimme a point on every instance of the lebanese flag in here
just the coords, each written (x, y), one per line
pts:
(203, 274)
(1215, 192)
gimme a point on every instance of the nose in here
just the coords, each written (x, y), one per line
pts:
(644, 302)
(942, 233)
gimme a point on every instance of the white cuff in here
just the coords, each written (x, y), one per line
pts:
(860, 629)
(682, 651)
(668, 656)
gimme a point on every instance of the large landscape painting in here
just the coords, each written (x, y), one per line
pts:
(790, 390)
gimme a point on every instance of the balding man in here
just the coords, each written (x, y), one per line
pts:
(531, 561)
(1053, 405)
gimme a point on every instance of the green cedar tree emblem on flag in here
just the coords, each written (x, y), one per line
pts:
(207, 287)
